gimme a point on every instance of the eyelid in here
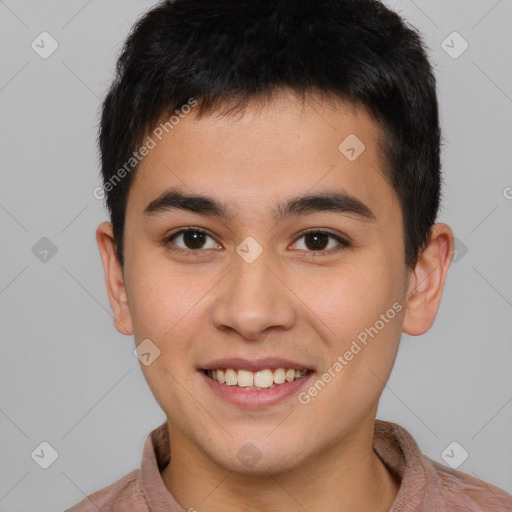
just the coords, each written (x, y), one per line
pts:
(167, 240)
(325, 231)
(343, 242)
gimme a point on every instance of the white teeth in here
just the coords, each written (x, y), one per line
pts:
(245, 379)
(264, 379)
(261, 379)
(279, 376)
(231, 377)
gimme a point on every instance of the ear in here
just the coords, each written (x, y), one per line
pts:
(427, 280)
(114, 279)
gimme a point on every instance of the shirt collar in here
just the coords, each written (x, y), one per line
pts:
(392, 443)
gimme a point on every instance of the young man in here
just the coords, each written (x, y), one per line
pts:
(272, 171)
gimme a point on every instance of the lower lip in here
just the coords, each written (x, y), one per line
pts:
(255, 398)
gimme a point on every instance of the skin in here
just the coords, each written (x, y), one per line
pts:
(289, 303)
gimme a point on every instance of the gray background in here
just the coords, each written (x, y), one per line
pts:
(67, 377)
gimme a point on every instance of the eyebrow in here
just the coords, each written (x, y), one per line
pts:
(329, 201)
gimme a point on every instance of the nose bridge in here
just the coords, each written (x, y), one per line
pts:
(252, 299)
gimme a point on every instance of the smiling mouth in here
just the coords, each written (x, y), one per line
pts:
(261, 379)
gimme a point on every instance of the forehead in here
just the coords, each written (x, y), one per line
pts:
(282, 147)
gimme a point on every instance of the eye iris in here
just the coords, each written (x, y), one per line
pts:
(320, 240)
(194, 239)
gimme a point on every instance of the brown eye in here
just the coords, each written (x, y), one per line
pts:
(191, 240)
(318, 241)
(194, 239)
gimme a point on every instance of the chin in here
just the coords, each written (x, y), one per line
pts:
(259, 457)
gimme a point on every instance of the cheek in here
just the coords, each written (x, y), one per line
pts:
(162, 299)
(165, 307)
(364, 311)
(354, 297)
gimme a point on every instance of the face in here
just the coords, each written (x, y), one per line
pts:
(257, 287)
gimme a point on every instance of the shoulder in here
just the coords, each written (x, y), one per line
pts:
(464, 492)
(427, 485)
(123, 495)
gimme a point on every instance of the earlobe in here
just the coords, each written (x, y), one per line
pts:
(427, 281)
(114, 279)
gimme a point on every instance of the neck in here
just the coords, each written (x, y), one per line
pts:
(346, 476)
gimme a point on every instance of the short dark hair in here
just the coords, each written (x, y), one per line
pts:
(225, 52)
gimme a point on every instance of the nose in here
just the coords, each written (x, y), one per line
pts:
(252, 299)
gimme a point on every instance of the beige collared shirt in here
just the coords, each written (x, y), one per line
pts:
(426, 486)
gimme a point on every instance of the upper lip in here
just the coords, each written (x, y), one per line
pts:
(271, 363)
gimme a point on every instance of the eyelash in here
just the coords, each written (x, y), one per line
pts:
(343, 244)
